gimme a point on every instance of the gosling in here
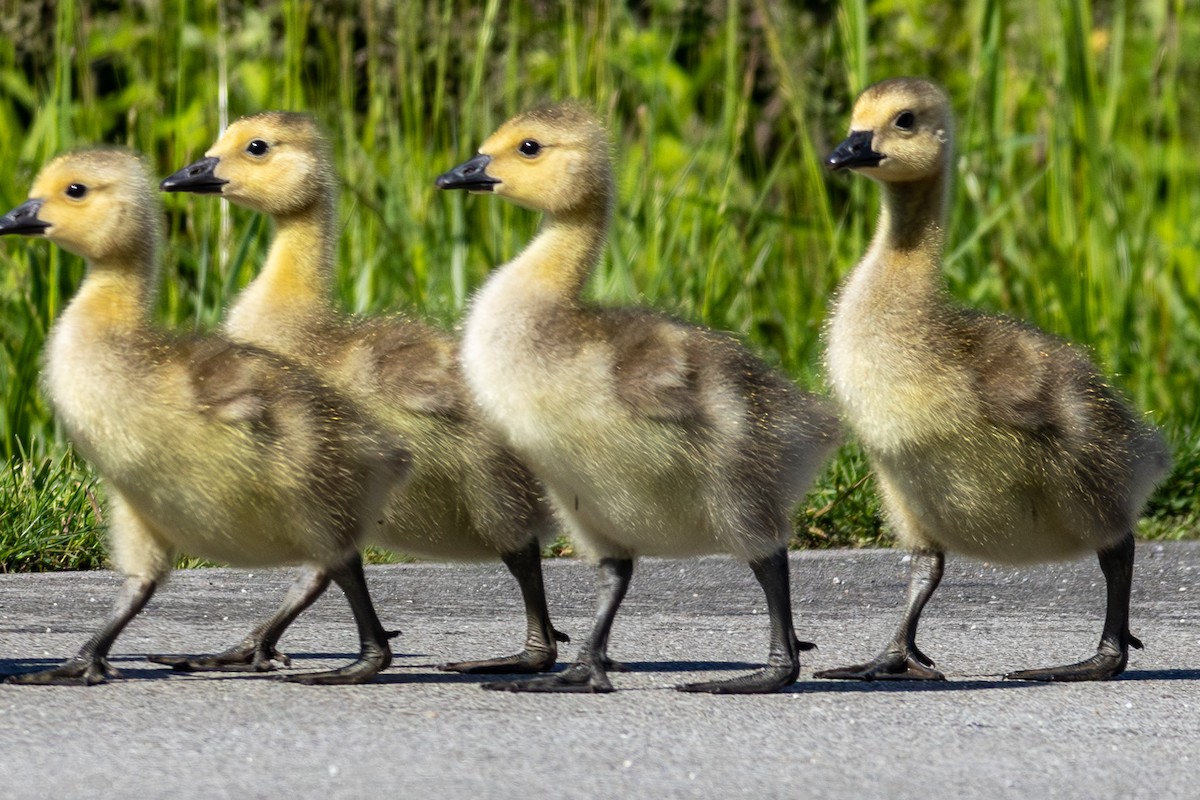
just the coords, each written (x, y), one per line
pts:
(653, 437)
(469, 497)
(206, 447)
(987, 436)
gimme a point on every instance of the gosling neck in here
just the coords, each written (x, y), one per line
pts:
(911, 233)
(561, 257)
(299, 265)
(117, 293)
(294, 289)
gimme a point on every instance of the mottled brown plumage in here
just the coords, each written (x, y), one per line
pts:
(468, 496)
(653, 437)
(206, 447)
(987, 436)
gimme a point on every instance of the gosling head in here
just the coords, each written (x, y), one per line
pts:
(900, 131)
(98, 204)
(276, 163)
(554, 159)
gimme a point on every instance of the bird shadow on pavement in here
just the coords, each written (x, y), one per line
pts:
(1159, 675)
(437, 676)
(826, 686)
(18, 666)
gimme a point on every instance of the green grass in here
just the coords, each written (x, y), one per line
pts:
(49, 516)
(1077, 201)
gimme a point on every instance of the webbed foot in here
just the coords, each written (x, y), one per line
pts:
(890, 666)
(577, 678)
(1113, 652)
(1109, 662)
(764, 681)
(525, 662)
(90, 665)
(538, 656)
(74, 671)
(370, 663)
(248, 656)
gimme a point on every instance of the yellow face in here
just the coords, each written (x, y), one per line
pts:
(98, 203)
(275, 162)
(900, 131)
(553, 159)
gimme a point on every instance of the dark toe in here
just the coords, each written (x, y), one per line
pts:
(522, 663)
(1099, 667)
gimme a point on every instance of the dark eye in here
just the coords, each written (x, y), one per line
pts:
(906, 120)
(76, 190)
(257, 147)
(529, 148)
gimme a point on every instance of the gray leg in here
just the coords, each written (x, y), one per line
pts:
(589, 672)
(902, 659)
(375, 654)
(257, 652)
(783, 660)
(1115, 640)
(541, 649)
(90, 665)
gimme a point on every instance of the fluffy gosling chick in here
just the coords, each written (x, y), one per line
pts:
(206, 447)
(653, 437)
(987, 436)
(468, 497)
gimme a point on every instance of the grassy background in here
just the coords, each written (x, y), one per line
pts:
(1077, 199)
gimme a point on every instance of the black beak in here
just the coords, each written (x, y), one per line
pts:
(470, 175)
(854, 152)
(24, 220)
(197, 178)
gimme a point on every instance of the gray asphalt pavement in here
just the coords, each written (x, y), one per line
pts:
(418, 733)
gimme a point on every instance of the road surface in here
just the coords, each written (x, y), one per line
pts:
(420, 733)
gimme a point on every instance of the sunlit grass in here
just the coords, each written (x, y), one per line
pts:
(1077, 200)
(49, 516)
